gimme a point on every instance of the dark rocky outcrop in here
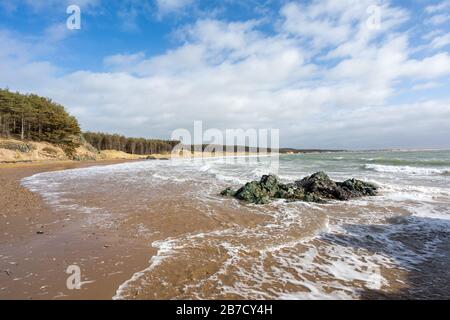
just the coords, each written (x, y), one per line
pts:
(317, 188)
(261, 192)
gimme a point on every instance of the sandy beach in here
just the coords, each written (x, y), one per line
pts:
(160, 230)
(37, 244)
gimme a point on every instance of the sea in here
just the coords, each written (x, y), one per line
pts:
(394, 245)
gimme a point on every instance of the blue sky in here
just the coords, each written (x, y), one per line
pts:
(316, 70)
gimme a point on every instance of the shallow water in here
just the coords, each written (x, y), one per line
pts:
(212, 247)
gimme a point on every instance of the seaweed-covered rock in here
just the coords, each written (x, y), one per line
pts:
(270, 183)
(259, 192)
(288, 191)
(228, 192)
(317, 188)
(320, 186)
(253, 192)
(358, 188)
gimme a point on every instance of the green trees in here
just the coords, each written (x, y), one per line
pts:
(30, 117)
(141, 146)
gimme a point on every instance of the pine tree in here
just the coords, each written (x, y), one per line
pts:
(35, 118)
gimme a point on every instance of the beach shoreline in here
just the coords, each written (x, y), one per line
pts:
(37, 243)
(161, 230)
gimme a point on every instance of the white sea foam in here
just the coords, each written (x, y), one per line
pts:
(229, 179)
(407, 170)
(165, 250)
(333, 255)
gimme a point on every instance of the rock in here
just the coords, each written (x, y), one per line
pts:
(228, 192)
(288, 191)
(40, 232)
(317, 188)
(358, 188)
(270, 183)
(259, 192)
(254, 193)
(320, 186)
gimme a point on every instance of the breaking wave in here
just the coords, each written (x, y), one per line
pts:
(407, 170)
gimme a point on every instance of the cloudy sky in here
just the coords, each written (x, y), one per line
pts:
(323, 72)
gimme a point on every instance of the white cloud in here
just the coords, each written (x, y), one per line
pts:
(170, 6)
(438, 19)
(426, 86)
(440, 41)
(335, 23)
(439, 13)
(123, 61)
(56, 32)
(438, 7)
(231, 75)
(428, 68)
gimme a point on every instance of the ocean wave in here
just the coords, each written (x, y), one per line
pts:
(407, 170)
(407, 162)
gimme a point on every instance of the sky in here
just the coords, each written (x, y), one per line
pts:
(339, 74)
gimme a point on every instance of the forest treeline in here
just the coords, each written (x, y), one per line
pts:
(140, 146)
(30, 117)
(34, 118)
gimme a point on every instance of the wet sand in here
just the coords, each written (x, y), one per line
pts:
(37, 244)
